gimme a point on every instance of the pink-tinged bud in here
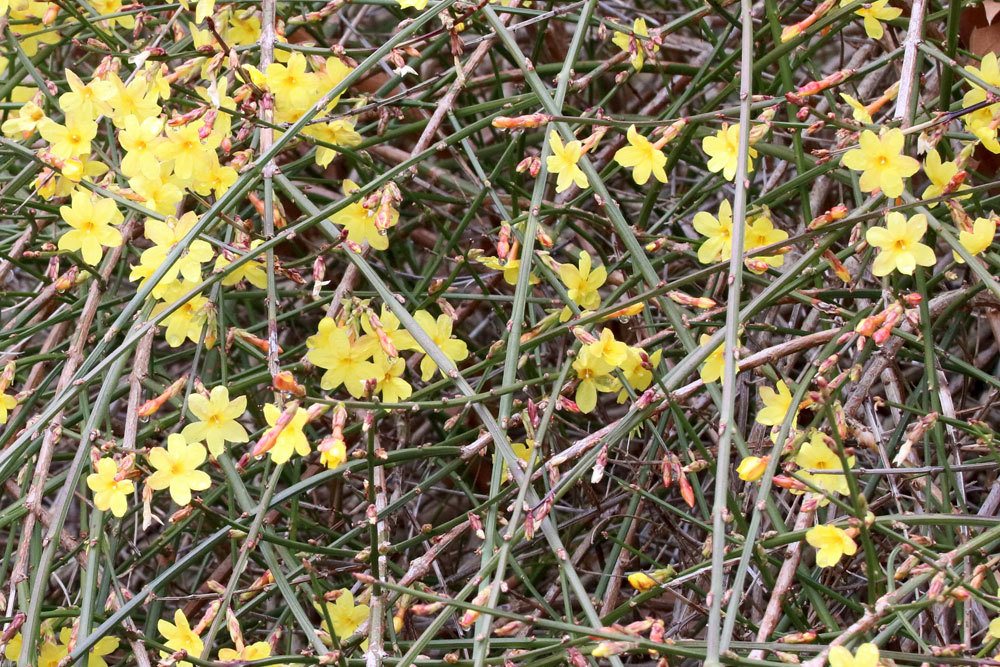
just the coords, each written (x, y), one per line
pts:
(584, 336)
(531, 164)
(67, 280)
(576, 659)
(799, 638)
(529, 122)
(838, 212)
(285, 381)
(153, 405)
(270, 437)
(700, 302)
(249, 338)
(470, 616)
(838, 267)
(786, 482)
(687, 492)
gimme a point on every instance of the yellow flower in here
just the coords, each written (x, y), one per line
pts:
(291, 85)
(141, 140)
(389, 376)
(563, 163)
(988, 71)
(108, 7)
(92, 219)
(899, 244)
(718, 244)
(607, 349)
(881, 163)
(215, 177)
(979, 239)
(523, 452)
(994, 629)
(109, 491)
(217, 417)
(623, 41)
(865, 656)
(86, 100)
(939, 174)
(243, 28)
(714, 364)
(594, 375)
(723, 149)
(158, 193)
(344, 616)
(254, 271)
(440, 332)
(752, 468)
(179, 636)
(188, 321)
(642, 157)
(760, 232)
(344, 357)
(25, 122)
(643, 581)
(400, 338)
(830, 543)
(188, 151)
(858, 110)
(636, 372)
(255, 651)
(7, 402)
(291, 439)
(177, 468)
(873, 13)
(166, 234)
(776, 404)
(137, 99)
(104, 646)
(338, 133)
(814, 454)
(359, 222)
(419, 5)
(334, 455)
(582, 282)
(69, 140)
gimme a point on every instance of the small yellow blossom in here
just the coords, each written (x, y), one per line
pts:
(86, 100)
(752, 468)
(217, 417)
(994, 629)
(858, 110)
(419, 5)
(939, 173)
(776, 404)
(141, 141)
(713, 366)
(979, 239)
(137, 99)
(344, 616)
(389, 377)
(563, 163)
(69, 140)
(440, 332)
(345, 357)
(641, 581)
(609, 350)
(636, 369)
(761, 232)
(291, 439)
(195, 315)
(623, 41)
(24, 124)
(723, 149)
(179, 636)
(336, 132)
(177, 468)
(718, 244)
(642, 157)
(814, 454)
(873, 14)
(595, 375)
(248, 653)
(7, 402)
(92, 220)
(880, 160)
(254, 271)
(899, 244)
(290, 83)
(582, 282)
(109, 491)
(831, 543)
(359, 222)
(865, 656)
